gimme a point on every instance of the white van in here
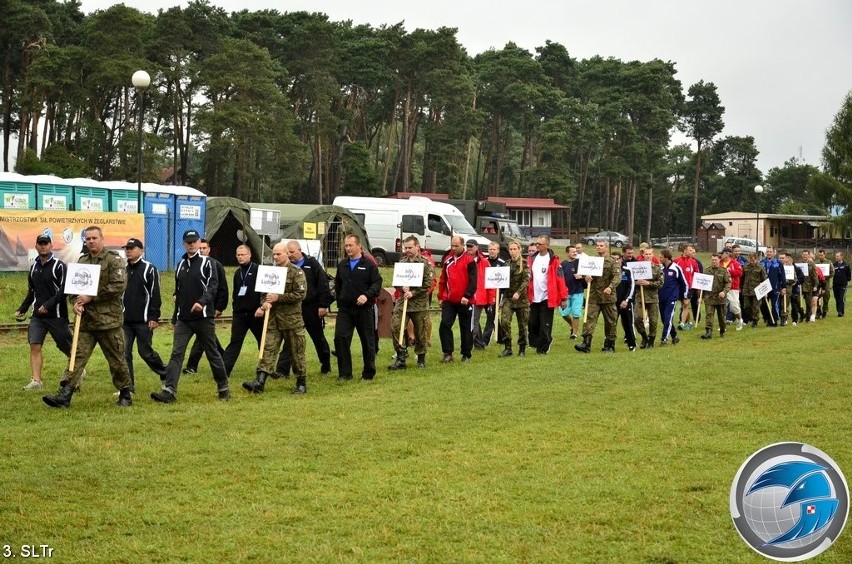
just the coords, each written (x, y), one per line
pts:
(389, 221)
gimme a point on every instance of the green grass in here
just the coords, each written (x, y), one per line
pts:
(568, 457)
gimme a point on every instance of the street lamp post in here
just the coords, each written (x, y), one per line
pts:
(758, 190)
(141, 80)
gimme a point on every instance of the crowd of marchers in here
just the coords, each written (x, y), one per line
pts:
(652, 309)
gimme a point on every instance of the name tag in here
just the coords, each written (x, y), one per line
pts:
(243, 290)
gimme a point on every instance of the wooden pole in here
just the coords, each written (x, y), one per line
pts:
(403, 323)
(497, 315)
(586, 305)
(74, 343)
(700, 301)
(645, 321)
(263, 334)
(769, 307)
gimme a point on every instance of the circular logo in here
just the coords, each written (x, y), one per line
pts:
(789, 501)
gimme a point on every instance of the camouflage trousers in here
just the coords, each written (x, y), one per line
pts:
(294, 340)
(111, 342)
(751, 308)
(719, 310)
(610, 314)
(522, 311)
(419, 319)
(652, 310)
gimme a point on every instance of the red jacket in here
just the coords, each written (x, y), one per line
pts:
(735, 269)
(689, 266)
(458, 278)
(483, 296)
(557, 291)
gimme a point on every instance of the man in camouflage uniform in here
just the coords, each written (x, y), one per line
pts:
(753, 275)
(651, 290)
(515, 300)
(825, 297)
(810, 288)
(285, 324)
(417, 310)
(101, 321)
(717, 298)
(601, 300)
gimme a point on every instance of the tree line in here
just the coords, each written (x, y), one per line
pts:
(269, 106)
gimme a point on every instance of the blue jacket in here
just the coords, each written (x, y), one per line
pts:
(674, 284)
(775, 273)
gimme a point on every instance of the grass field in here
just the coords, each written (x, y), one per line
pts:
(562, 458)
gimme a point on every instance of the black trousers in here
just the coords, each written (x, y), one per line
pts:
(349, 320)
(205, 335)
(541, 326)
(143, 337)
(840, 299)
(627, 320)
(240, 326)
(315, 327)
(449, 313)
(197, 350)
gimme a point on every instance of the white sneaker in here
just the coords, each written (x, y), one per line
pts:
(739, 324)
(34, 385)
(794, 324)
(813, 318)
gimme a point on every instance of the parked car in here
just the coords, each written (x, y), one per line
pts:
(746, 245)
(614, 238)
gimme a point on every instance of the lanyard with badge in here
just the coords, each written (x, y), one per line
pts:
(243, 276)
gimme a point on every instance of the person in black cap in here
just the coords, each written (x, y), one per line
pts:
(219, 306)
(49, 310)
(141, 310)
(456, 288)
(196, 283)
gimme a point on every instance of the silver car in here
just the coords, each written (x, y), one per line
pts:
(614, 238)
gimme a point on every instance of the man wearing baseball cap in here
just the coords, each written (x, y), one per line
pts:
(141, 310)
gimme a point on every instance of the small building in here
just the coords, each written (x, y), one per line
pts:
(536, 216)
(709, 233)
(773, 229)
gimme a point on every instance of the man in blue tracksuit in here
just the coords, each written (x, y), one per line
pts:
(673, 290)
(775, 273)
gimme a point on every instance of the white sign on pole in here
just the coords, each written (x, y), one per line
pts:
(702, 281)
(408, 274)
(763, 289)
(803, 266)
(271, 279)
(590, 266)
(642, 269)
(496, 277)
(789, 272)
(82, 279)
(825, 268)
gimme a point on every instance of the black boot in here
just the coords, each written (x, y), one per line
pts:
(257, 386)
(399, 363)
(62, 398)
(301, 386)
(124, 399)
(708, 334)
(609, 346)
(421, 361)
(651, 342)
(507, 349)
(585, 346)
(644, 344)
(522, 350)
(325, 365)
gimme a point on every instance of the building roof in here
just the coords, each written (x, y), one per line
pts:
(431, 196)
(754, 215)
(527, 203)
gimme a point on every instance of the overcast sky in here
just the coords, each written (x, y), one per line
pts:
(782, 67)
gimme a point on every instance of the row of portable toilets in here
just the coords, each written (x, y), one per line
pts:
(169, 210)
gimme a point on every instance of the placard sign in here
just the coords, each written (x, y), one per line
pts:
(590, 266)
(702, 281)
(642, 269)
(497, 277)
(271, 279)
(82, 279)
(789, 272)
(825, 268)
(803, 266)
(763, 289)
(408, 274)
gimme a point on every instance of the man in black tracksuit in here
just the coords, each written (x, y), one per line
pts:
(357, 285)
(220, 305)
(314, 308)
(196, 284)
(141, 310)
(839, 284)
(624, 296)
(245, 302)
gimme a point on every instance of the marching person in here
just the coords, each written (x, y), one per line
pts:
(689, 265)
(515, 301)
(624, 296)
(546, 292)
(651, 289)
(196, 284)
(221, 304)
(456, 288)
(141, 310)
(483, 298)
(45, 285)
(716, 299)
(100, 324)
(793, 291)
(841, 281)
(417, 309)
(775, 273)
(810, 288)
(825, 295)
(601, 300)
(246, 300)
(753, 275)
(576, 288)
(735, 270)
(286, 325)
(357, 285)
(673, 290)
(494, 261)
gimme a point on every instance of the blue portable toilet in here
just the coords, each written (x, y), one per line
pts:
(159, 226)
(53, 193)
(17, 192)
(190, 213)
(123, 196)
(90, 195)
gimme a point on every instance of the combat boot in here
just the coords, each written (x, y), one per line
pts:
(301, 386)
(124, 399)
(708, 334)
(421, 361)
(522, 350)
(585, 346)
(257, 386)
(62, 398)
(651, 342)
(644, 344)
(399, 363)
(609, 346)
(507, 350)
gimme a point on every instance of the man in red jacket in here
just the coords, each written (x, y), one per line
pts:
(483, 299)
(546, 291)
(735, 269)
(456, 289)
(687, 263)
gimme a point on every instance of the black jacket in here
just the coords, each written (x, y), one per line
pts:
(349, 284)
(319, 294)
(250, 300)
(221, 301)
(46, 282)
(142, 296)
(195, 281)
(841, 275)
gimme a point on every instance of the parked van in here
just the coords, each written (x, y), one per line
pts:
(389, 221)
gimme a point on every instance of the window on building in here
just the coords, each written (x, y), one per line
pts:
(522, 217)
